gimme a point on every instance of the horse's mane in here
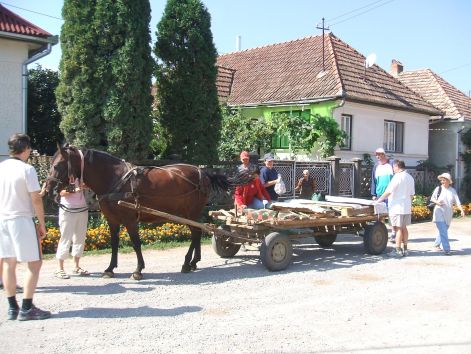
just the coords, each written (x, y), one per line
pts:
(90, 154)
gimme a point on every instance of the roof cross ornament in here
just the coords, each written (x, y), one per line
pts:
(323, 28)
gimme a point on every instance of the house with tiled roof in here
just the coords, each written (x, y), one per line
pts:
(21, 43)
(326, 76)
(445, 146)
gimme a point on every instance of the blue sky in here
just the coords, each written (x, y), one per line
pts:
(421, 34)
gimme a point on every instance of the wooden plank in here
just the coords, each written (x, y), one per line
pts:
(337, 199)
(366, 210)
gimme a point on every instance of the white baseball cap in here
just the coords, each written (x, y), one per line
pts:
(380, 151)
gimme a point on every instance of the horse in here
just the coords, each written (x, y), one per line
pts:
(180, 189)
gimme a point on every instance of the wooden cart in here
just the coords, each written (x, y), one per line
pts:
(274, 234)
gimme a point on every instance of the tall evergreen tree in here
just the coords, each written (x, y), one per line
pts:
(81, 89)
(186, 81)
(106, 69)
(43, 116)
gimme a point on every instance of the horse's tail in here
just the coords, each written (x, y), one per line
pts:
(220, 184)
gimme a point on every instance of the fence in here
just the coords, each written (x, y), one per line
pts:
(333, 177)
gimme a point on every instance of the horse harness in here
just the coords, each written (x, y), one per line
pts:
(133, 177)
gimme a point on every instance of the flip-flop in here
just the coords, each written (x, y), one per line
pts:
(81, 272)
(61, 274)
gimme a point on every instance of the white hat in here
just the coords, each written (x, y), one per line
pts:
(380, 151)
(305, 172)
(446, 175)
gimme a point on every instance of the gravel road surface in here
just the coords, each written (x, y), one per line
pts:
(336, 300)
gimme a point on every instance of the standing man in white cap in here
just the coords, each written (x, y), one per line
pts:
(381, 174)
(400, 191)
(444, 197)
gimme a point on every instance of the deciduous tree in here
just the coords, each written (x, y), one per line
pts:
(43, 116)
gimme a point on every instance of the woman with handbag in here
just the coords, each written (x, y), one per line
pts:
(443, 210)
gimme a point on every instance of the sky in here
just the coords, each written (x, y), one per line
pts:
(421, 34)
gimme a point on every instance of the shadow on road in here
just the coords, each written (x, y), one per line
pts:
(143, 311)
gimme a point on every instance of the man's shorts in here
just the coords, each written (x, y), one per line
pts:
(18, 239)
(400, 220)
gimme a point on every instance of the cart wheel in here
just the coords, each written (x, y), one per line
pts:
(326, 240)
(276, 251)
(375, 238)
(222, 246)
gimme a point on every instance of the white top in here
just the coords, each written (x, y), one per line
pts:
(448, 197)
(17, 181)
(402, 188)
(76, 199)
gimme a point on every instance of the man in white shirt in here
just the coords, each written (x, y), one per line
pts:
(399, 192)
(20, 201)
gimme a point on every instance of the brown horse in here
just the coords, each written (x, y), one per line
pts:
(181, 190)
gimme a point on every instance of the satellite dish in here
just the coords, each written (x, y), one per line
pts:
(370, 60)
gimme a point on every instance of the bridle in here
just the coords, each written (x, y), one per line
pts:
(70, 174)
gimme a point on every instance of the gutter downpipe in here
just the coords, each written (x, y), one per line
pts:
(24, 84)
(458, 159)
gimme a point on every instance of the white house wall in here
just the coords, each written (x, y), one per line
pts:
(446, 145)
(12, 55)
(368, 131)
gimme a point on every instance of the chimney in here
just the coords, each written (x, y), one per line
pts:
(396, 68)
(238, 43)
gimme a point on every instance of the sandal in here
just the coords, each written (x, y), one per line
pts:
(81, 272)
(61, 274)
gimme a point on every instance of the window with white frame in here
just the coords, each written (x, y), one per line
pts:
(393, 136)
(346, 126)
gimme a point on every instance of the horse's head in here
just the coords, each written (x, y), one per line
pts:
(65, 167)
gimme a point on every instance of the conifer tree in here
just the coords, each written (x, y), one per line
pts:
(187, 99)
(106, 67)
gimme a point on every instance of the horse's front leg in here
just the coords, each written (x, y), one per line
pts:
(114, 232)
(190, 264)
(133, 231)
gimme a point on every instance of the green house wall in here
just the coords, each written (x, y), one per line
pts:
(324, 109)
(281, 142)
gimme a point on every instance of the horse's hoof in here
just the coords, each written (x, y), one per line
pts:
(107, 274)
(136, 276)
(186, 268)
(193, 266)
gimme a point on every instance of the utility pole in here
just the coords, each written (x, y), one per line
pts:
(323, 28)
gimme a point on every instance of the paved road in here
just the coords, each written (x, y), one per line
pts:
(335, 300)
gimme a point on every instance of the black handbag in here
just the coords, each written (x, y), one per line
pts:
(431, 205)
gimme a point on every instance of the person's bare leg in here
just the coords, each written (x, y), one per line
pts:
(9, 276)
(61, 264)
(32, 276)
(77, 262)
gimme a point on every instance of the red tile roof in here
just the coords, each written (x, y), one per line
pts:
(438, 92)
(292, 72)
(12, 23)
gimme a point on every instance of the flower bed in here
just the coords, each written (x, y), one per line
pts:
(422, 213)
(99, 237)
